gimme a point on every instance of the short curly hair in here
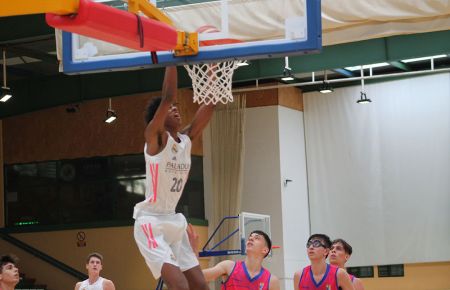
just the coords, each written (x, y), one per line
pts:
(151, 109)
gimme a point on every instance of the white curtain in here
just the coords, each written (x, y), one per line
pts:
(227, 156)
(378, 173)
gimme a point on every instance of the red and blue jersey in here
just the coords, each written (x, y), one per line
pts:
(328, 282)
(352, 278)
(240, 279)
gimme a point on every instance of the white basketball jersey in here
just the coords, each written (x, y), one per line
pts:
(98, 285)
(166, 175)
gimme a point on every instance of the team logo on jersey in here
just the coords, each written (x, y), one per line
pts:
(328, 287)
(261, 286)
(174, 158)
(174, 149)
(172, 256)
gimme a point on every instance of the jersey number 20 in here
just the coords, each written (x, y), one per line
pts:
(177, 185)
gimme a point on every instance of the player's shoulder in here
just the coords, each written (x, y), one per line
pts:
(300, 271)
(108, 284)
(228, 265)
(77, 285)
(274, 283)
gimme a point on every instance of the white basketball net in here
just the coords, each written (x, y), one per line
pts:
(212, 82)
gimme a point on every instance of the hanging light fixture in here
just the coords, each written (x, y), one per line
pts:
(287, 72)
(111, 115)
(363, 97)
(244, 63)
(6, 92)
(325, 88)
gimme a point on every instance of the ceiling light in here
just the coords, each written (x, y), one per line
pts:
(287, 75)
(363, 99)
(287, 72)
(423, 58)
(243, 63)
(354, 68)
(325, 88)
(111, 115)
(6, 92)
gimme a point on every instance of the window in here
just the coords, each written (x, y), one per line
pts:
(391, 271)
(361, 272)
(87, 190)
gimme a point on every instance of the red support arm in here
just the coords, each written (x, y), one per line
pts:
(116, 26)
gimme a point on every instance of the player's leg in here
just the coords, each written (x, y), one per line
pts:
(189, 264)
(174, 278)
(196, 279)
(149, 233)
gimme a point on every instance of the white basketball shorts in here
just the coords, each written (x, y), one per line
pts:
(163, 239)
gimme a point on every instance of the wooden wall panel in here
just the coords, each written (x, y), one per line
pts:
(290, 97)
(54, 134)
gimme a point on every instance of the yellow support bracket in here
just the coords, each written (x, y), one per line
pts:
(24, 7)
(149, 10)
(187, 43)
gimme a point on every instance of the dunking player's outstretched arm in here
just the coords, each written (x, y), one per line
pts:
(155, 133)
(201, 119)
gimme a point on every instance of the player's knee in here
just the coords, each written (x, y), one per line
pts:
(179, 284)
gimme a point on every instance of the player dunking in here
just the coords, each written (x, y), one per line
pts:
(160, 233)
(320, 275)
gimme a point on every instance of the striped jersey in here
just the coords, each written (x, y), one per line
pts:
(328, 282)
(166, 175)
(240, 279)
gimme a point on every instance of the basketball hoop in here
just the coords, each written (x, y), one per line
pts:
(211, 82)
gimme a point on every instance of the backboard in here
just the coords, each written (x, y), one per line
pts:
(228, 30)
(236, 237)
(249, 222)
